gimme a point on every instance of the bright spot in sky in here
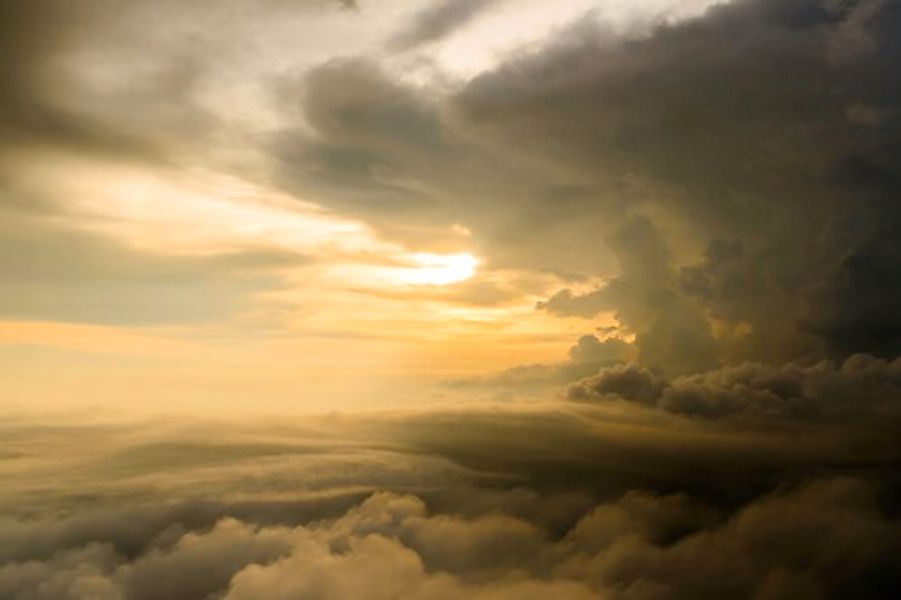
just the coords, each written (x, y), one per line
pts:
(438, 269)
(202, 214)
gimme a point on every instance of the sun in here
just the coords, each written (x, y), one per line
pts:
(438, 269)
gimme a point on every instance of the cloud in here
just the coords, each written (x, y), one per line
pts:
(596, 155)
(71, 575)
(721, 140)
(46, 103)
(639, 545)
(216, 554)
(55, 273)
(671, 331)
(626, 381)
(690, 200)
(375, 148)
(592, 499)
(862, 387)
(103, 78)
(856, 308)
(585, 358)
(785, 545)
(438, 21)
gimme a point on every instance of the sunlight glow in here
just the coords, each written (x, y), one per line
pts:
(204, 214)
(439, 269)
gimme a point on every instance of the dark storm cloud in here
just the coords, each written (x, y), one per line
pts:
(672, 332)
(764, 125)
(438, 21)
(765, 132)
(858, 306)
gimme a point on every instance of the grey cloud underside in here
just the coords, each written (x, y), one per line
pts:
(381, 151)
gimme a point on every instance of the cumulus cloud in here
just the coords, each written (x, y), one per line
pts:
(738, 225)
(671, 331)
(590, 499)
(862, 387)
(626, 381)
(391, 546)
(731, 150)
(768, 549)
(585, 358)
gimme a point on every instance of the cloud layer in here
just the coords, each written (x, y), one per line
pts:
(862, 388)
(505, 501)
(824, 537)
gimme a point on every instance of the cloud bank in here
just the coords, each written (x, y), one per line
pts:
(509, 501)
(390, 546)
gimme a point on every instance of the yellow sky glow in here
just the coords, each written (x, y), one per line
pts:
(351, 296)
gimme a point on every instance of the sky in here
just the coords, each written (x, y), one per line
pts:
(414, 299)
(283, 192)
